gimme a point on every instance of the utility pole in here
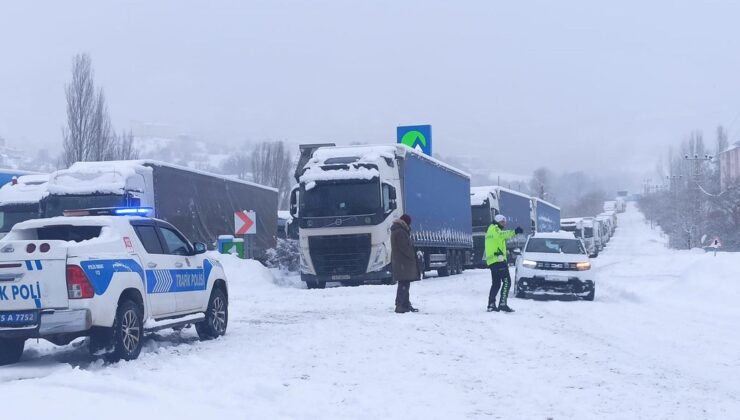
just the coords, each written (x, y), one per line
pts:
(696, 162)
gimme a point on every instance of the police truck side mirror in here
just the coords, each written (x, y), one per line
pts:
(200, 248)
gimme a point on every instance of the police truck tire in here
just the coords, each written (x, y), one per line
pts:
(128, 332)
(217, 317)
(11, 350)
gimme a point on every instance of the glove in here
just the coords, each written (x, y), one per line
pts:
(518, 230)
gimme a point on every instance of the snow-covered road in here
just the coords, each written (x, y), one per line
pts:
(660, 341)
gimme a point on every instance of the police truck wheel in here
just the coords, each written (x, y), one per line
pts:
(128, 332)
(11, 350)
(217, 317)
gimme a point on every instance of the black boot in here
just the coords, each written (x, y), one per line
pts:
(412, 309)
(505, 308)
(492, 307)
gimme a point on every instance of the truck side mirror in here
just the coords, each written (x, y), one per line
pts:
(294, 202)
(392, 194)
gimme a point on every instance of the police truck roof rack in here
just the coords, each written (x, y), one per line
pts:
(110, 211)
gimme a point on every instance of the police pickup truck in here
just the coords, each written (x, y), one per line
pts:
(108, 274)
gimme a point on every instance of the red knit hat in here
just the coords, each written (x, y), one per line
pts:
(406, 218)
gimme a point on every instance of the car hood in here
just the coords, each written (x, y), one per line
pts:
(547, 257)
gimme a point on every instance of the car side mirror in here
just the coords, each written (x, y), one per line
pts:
(200, 248)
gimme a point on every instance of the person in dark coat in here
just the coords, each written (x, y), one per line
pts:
(403, 261)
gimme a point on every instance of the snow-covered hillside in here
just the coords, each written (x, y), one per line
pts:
(660, 341)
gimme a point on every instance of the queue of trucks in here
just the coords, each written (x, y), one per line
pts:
(341, 209)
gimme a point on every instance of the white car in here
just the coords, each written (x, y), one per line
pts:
(554, 264)
(108, 275)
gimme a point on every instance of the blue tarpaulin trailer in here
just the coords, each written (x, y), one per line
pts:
(438, 199)
(547, 216)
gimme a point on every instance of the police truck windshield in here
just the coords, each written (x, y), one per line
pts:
(331, 199)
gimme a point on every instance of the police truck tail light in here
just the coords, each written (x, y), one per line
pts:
(31, 248)
(44, 247)
(78, 285)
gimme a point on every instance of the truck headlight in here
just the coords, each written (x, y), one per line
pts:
(529, 264)
(380, 260)
(305, 267)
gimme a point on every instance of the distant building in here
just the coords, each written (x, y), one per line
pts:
(729, 165)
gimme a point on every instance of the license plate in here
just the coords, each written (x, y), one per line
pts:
(341, 277)
(18, 319)
(556, 278)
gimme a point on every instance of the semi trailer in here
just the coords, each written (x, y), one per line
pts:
(347, 199)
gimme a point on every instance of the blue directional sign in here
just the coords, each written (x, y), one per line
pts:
(417, 137)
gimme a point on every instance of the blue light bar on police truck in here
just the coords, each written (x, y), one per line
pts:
(110, 211)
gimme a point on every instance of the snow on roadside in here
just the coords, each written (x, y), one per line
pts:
(660, 341)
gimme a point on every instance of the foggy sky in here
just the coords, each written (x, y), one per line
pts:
(567, 84)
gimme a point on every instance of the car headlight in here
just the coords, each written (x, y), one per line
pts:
(583, 266)
(529, 264)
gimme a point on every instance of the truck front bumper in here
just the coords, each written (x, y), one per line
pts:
(384, 274)
(539, 286)
(53, 322)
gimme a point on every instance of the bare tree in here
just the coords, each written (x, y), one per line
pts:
(271, 165)
(237, 164)
(123, 146)
(89, 135)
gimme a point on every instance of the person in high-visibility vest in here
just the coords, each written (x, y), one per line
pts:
(497, 260)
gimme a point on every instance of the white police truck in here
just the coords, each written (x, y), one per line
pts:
(108, 274)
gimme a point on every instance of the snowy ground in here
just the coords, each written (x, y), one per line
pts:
(660, 341)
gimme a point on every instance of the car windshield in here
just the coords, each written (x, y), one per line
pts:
(331, 199)
(555, 246)
(481, 215)
(9, 217)
(55, 205)
(589, 231)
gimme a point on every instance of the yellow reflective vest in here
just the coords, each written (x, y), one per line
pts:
(496, 244)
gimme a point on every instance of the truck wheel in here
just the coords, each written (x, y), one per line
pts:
(128, 332)
(217, 317)
(11, 350)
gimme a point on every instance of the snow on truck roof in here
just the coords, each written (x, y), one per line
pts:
(28, 189)
(478, 195)
(113, 177)
(362, 154)
(547, 203)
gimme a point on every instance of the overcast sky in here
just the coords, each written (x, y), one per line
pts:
(569, 84)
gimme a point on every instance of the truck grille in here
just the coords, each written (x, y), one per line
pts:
(340, 254)
(555, 266)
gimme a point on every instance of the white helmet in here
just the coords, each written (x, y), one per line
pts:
(500, 218)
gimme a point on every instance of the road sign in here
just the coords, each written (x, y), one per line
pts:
(417, 137)
(245, 222)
